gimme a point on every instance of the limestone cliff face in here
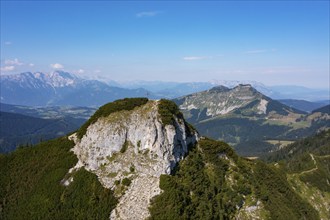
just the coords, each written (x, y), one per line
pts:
(135, 146)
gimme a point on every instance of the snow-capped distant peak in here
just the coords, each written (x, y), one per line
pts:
(62, 74)
(38, 79)
(61, 79)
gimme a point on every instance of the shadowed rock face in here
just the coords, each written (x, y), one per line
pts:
(135, 145)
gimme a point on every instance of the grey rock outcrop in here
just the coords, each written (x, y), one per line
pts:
(136, 146)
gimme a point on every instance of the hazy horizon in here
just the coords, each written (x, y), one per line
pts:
(275, 43)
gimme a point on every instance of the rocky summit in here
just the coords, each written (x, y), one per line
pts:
(247, 119)
(138, 159)
(133, 146)
(220, 100)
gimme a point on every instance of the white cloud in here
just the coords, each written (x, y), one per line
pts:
(14, 62)
(195, 58)
(97, 71)
(56, 66)
(8, 43)
(7, 68)
(147, 14)
(31, 64)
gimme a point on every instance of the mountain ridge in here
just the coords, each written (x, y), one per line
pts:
(247, 119)
(302, 105)
(172, 90)
(324, 109)
(139, 158)
(221, 100)
(60, 88)
(54, 87)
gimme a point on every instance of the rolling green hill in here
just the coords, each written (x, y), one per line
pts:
(17, 129)
(324, 109)
(302, 105)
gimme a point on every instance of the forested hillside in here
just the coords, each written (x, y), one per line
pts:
(32, 185)
(214, 183)
(307, 163)
(17, 129)
(311, 156)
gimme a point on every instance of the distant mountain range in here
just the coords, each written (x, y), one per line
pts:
(239, 114)
(63, 88)
(177, 89)
(248, 119)
(303, 104)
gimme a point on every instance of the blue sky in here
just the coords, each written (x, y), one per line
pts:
(275, 42)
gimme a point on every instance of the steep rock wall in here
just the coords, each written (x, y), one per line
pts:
(136, 146)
